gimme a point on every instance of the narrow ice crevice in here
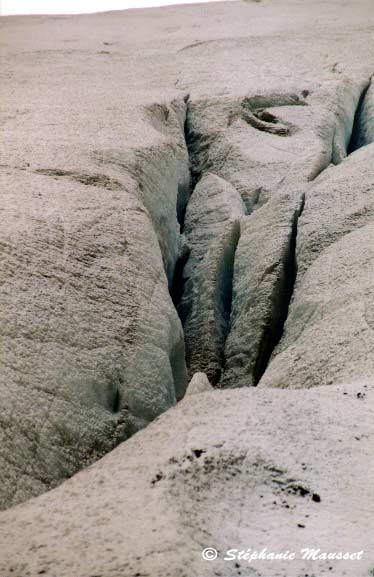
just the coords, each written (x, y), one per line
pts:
(202, 284)
(363, 126)
(348, 100)
(280, 303)
(264, 277)
(163, 177)
(185, 184)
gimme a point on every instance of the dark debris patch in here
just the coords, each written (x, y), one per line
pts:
(100, 180)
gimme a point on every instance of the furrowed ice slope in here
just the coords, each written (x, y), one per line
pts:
(108, 123)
